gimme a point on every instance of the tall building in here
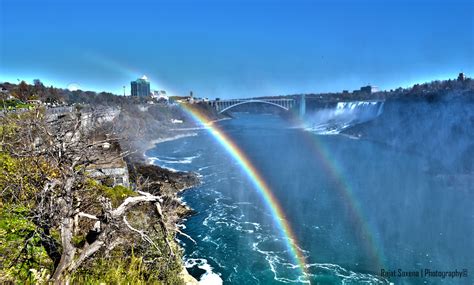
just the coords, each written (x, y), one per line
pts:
(140, 87)
(369, 89)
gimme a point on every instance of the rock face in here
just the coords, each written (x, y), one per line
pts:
(110, 167)
(167, 184)
(162, 181)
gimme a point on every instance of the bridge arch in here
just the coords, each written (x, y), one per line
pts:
(253, 101)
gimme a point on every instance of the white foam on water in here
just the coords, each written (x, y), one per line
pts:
(170, 168)
(347, 276)
(209, 277)
(151, 159)
(154, 159)
(275, 260)
(183, 161)
(181, 226)
(176, 160)
(202, 168)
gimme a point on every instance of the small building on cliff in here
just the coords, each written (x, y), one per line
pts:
(109, 166)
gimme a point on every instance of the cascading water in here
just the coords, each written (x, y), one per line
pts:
(345, 114)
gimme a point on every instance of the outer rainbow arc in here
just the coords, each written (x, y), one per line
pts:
(346, 191)
(343, 187)
(333, 170)
(258, 181)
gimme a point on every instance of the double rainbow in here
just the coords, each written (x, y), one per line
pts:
(255, 177)
(257, 180)
(344, 189)
(335, 171)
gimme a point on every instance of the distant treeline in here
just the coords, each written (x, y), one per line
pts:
(38, 91)
(462, 86)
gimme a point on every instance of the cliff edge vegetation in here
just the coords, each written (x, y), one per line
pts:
(62, 217)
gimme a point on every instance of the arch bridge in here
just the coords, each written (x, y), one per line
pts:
(224, 105)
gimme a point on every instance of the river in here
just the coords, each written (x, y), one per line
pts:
(356, 207)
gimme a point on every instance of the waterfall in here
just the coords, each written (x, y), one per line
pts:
(333, 120)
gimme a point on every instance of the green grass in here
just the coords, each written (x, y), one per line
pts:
(13, 104)
(127, 270)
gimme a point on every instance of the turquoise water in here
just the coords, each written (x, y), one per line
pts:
(357, 209)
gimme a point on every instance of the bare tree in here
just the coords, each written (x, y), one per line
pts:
(63, 199)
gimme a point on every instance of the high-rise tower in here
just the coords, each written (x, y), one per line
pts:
(140, 87)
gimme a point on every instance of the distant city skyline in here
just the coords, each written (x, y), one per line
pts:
(236, 49)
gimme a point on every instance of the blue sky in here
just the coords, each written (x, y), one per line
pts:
(233, 48)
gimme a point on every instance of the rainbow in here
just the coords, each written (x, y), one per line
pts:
(331, 166)
(343, 187)
(258, 181)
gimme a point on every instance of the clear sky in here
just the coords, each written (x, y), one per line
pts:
(232, 48)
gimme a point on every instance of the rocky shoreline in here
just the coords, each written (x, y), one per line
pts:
(167, 183)
(155, 129)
